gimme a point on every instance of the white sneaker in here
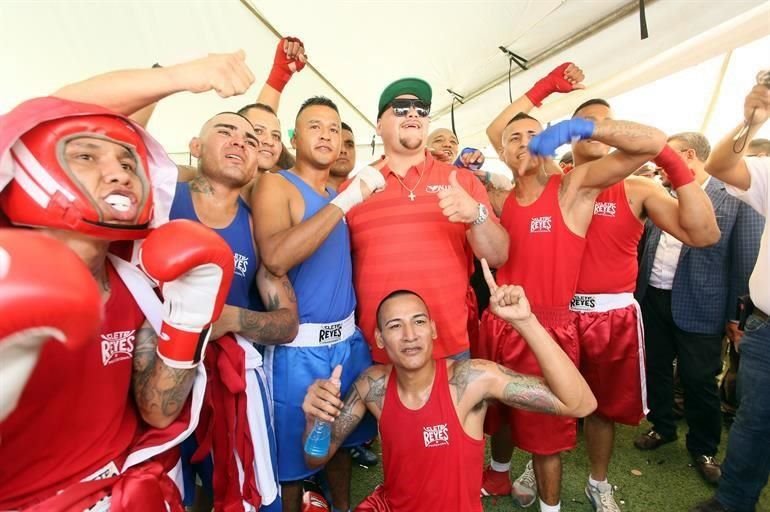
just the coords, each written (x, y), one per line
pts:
(524, 491)
(601, 497)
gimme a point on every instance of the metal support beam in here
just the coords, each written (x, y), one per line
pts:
(717, 91)
(627, 10)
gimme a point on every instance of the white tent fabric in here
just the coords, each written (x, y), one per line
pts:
(359, 47)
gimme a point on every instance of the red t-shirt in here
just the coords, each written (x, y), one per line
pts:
(402, 244)
(610, 264)
(429, 461)
(545, 255)
(76, 413)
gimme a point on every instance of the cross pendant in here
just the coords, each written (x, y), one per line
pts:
(411, 195)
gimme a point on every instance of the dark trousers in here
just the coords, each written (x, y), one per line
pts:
(699, 365)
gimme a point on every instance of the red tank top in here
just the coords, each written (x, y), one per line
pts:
(429, 462)
(610, 264)
(76, 413)
(544, 255)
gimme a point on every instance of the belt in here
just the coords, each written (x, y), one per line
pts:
(600, 302)
(321, 335)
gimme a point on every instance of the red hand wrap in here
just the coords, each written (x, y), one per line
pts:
(676, 169)
(552, 82)
(281, 71)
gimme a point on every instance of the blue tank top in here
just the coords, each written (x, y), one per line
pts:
(323, 283)
(238, 235)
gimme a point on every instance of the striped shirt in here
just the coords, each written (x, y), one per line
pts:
(398, 243)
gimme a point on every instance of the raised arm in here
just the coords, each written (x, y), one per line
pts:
(727, 164)
(289, 58)
(128, 91)
(279, 324)
(635, 144)
(563, 390)
(565, 78)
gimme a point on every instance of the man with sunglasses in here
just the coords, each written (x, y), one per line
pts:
(439, 214)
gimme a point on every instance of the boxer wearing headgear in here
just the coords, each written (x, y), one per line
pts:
(547, 216)
(123, 398)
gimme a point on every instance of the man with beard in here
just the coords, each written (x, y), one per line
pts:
(299, 232)
(440, 215)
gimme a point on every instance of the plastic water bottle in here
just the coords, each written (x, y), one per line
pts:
(319, 438)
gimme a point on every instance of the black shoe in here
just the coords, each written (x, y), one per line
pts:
(364, 456)
(652, 440)
(708, 467)
(711, 505)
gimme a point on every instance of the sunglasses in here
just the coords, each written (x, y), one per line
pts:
(401, 107)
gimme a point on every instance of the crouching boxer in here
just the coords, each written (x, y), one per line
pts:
(431, 412)
(94, 424)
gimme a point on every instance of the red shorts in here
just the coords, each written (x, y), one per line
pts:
(612, 356)
(541, 434)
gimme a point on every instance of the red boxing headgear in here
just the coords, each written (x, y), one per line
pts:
(45, 193)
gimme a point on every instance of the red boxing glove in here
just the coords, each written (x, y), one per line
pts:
(552, 82)
(194, 266)
(675, 168)
(283, 66)
(46, 291)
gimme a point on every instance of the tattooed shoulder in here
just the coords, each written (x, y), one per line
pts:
(374, 384)
(463, 373)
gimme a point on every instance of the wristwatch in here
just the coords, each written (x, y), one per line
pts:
(483, 215)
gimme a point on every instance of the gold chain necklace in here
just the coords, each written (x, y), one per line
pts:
(411, 190)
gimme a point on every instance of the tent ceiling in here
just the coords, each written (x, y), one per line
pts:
(358, 46)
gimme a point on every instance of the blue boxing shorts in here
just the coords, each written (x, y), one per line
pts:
(291, 369)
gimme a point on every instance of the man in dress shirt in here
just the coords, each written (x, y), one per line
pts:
(747, 463)
(688, 298)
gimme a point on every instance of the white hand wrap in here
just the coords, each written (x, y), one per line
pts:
(352, 195)
(500, 182)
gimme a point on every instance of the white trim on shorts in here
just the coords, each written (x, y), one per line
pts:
(324, 335)
(603, 302)
(600, 302)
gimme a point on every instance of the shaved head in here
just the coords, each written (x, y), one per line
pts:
(229, 118)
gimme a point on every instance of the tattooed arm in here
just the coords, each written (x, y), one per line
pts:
(322, 402)
(159, 391)
(635, 144)
(563, 390)
(570, 396)
(279, 324)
